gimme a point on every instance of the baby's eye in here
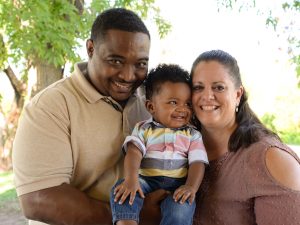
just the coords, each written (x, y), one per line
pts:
(172, 102)
(188, 104)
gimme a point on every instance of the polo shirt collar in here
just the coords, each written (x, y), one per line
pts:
(83, 85)
(157, 124)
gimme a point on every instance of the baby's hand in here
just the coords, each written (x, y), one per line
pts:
(183, 193)
(129, 187)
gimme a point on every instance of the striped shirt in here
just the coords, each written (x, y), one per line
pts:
(166, 151)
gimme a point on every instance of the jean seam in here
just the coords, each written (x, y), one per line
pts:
(125, 216)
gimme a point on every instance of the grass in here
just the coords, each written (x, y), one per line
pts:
(7, 189)
(10, 212)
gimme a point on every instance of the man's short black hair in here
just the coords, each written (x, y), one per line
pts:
(164, 73)
(119, 19)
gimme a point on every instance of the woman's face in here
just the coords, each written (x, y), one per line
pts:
(214, 96)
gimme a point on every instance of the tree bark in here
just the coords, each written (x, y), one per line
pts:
(18, 86)
(46, 75)
(7, 133)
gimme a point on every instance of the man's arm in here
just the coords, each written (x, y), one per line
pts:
(150, 214)
(64, 204)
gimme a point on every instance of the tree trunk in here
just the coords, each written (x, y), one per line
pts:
(46, 75)
(7, 132)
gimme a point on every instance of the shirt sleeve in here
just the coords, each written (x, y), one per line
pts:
(273, 202)
(197, 150)
(137, 138)
(42, 155)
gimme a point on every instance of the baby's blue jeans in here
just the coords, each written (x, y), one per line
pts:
(173, 213)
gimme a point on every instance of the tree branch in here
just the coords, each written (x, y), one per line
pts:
(79, 5)
(17, 85)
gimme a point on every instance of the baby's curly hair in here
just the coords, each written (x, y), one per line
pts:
(164, 73)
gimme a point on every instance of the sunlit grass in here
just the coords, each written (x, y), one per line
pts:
(7, 189)
(9, 204)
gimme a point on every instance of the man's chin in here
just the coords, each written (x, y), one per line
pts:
(121, 98)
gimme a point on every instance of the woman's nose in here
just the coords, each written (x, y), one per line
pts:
(208, 94)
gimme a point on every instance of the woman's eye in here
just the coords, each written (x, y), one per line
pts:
(219, 88)
(198, 88)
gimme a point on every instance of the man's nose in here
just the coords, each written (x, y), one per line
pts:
(128, 73)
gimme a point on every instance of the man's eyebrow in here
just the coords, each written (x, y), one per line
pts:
(116, 56)
(122, 57)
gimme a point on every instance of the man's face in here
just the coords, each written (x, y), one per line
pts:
(119, 63)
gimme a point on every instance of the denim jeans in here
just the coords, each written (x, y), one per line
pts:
(173, 213)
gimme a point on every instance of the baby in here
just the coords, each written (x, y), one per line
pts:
(163, 152)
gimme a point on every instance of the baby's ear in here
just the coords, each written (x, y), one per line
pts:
(150, 107)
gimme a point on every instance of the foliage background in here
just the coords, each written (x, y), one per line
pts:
(40, 41)
(42, 37)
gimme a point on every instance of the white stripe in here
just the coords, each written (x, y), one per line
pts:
(198, 155)
(137, 142)
(164, 155)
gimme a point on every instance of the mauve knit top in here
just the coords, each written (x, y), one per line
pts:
(239, 190)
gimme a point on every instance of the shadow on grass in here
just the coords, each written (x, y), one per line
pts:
(8, 195)
(10, 211)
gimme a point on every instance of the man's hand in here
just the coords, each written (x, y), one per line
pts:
(150, 214)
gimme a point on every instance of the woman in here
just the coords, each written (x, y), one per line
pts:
(253, 178)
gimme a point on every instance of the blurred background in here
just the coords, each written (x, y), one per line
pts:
(41, 40)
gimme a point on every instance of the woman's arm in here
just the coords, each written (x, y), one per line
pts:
(278, 202)
(284, 168)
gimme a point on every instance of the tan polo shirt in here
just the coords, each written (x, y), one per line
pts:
(69, 133)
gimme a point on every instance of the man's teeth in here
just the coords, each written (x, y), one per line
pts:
(122, 86)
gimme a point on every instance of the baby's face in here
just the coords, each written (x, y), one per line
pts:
(171, 106)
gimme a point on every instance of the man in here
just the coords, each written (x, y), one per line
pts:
(66, 153)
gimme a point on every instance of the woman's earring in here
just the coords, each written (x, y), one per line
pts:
(237, 108)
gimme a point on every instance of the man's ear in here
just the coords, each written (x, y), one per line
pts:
(90, 47)
(150, 107)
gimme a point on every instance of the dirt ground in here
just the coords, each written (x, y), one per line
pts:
(10, 213)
